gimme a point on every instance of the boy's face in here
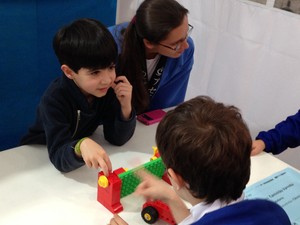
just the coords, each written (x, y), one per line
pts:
(94, 82)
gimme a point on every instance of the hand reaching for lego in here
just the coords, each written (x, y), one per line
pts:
(95, 156)
(153, 188)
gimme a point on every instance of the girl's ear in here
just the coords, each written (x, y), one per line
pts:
(178, 182)
(67, 71)
(148, 44)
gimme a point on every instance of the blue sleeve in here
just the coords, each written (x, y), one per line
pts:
(119, 131)
(117, 31)
(60, 143)
(173, 85)
(286, 134)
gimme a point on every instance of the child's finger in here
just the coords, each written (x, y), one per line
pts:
(102, 164)
(144, 175)
(121, 79)
(108, 162)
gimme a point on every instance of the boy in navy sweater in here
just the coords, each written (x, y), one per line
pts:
(87, 95)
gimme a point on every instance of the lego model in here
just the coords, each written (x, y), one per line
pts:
(121, 183)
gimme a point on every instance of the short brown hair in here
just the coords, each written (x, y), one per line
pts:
(208, 144)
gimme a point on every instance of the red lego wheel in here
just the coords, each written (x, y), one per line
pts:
(150, 215)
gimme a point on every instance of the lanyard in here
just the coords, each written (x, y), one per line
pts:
(156, 76)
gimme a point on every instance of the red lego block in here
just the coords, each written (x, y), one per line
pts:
(109, 190)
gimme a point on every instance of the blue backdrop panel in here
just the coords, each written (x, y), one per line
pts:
(27, 60)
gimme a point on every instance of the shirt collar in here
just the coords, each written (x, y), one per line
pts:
(199, 210)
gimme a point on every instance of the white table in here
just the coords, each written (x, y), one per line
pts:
(33, 192)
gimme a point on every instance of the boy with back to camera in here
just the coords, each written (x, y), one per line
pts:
(86, 95)
(206, 148)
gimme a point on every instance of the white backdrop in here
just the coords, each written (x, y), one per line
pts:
(246, 54)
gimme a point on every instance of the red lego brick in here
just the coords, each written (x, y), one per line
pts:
(109, 194)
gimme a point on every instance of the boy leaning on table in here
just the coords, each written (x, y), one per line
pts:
(86, 95)
(206, 148)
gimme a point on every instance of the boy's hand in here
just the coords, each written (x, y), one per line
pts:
(95, 156)
(117, 220)
(257, 147)
(123, 90)
(153, 188)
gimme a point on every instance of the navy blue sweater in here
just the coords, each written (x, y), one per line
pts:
(64, 117)
(247, 212)
(285, 134)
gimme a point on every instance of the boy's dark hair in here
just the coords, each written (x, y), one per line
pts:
(208, 144)
(85, 43)
(153, 21)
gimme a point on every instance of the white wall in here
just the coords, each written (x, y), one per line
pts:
(126, 10)
(247, 54)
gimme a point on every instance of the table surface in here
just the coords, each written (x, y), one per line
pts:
(33, 192)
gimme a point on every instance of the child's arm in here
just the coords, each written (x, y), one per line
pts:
(123, 90)
(153, 188)
(93, 155)
(284, 135)
(257, 147)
